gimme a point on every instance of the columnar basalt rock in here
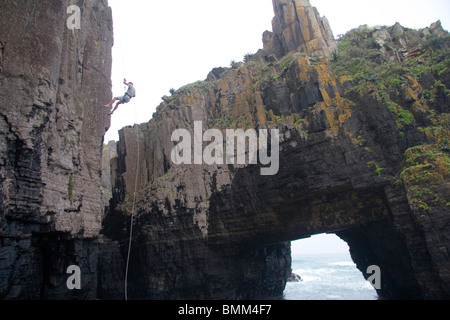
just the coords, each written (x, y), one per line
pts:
(52, 82)
(298, 27)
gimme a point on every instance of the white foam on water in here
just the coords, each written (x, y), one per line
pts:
(310, 278)
(328, 278)
(343, 264)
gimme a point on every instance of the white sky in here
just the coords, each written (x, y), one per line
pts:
(167, 44)
(320, 244)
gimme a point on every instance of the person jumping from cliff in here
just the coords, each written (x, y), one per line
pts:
(131, 93)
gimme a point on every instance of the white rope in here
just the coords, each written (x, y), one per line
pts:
(124, 68)
(133, 208)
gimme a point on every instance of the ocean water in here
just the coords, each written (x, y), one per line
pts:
(328, 277)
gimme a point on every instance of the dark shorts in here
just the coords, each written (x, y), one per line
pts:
(124, 99)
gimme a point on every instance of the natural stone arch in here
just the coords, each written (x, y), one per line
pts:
(361, 217)
(232, 226)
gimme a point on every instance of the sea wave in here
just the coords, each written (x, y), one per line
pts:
(342, 264)
(328, 278)
(313, 271)
(310, 278)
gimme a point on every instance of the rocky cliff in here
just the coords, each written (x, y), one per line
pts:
(298, 27)
(363, 134)
(52, 81)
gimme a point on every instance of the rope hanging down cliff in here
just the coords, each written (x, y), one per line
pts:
(131, 93)
(133, 207)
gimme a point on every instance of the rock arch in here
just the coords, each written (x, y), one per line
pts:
(225, 232)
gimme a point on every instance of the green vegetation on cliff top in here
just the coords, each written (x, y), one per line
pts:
(360, 58)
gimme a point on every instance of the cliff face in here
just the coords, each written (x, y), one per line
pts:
(298, 27)
(363, 132)
(363, 153)
(52, 82)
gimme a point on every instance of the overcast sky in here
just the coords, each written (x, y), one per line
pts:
(320, 244)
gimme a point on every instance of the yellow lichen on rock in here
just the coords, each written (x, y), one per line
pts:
(260, 110)
(336, 108)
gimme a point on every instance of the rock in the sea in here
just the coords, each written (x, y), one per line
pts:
(294, 278)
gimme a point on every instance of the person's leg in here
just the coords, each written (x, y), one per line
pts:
(115, 108)
(111, 103)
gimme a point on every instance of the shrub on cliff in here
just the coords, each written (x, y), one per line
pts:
(375, 57)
